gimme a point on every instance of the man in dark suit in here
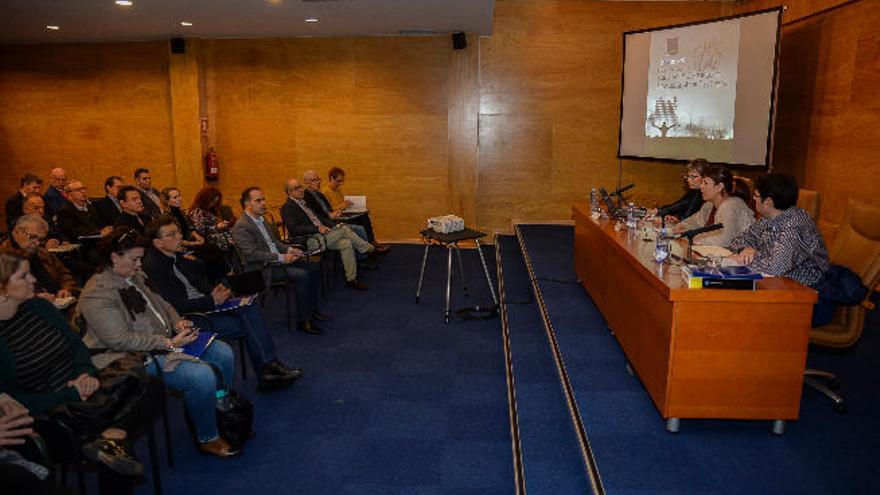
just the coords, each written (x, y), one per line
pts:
(78, 217)
(301, 221)
(132, 207)
(30, 184)
(261, 249)
(149, 196)
(183, 282)
(316, 200)
(108, 207)
(55, 196)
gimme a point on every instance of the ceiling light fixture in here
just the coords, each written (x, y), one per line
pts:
(311, 19)
(124, 3)
(186, 23)
(53, 27)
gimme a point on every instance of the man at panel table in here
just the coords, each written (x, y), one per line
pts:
(785, 242)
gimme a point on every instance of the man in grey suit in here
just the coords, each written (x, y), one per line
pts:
(261, 249)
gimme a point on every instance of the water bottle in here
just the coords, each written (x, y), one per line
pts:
(661, 248)
(631, 222)
(594, 200)
(222, 400)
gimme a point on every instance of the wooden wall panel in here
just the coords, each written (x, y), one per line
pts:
(95, 110)
(550, 105)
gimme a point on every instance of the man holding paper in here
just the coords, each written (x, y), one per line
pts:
(183, 282)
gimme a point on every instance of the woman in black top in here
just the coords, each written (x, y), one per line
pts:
(691, 201)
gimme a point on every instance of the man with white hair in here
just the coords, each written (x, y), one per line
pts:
(53, 279)
(79, 217)
(55, 196)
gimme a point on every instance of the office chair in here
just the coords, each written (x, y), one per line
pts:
(857, 246)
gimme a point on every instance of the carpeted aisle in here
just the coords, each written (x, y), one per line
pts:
(392, 401)
(821, 453)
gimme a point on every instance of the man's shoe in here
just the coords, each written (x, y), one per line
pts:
(381, 248)
(277, 368)
(318, 316)
(113, 454)
(219, 448)
(310, 328)
(356, 284)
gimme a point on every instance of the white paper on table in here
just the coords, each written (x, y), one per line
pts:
(358, 204)
(712, 251)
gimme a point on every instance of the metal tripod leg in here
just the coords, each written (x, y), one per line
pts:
(447, 316)
(486, 271)
(422, 274)
(461, 270)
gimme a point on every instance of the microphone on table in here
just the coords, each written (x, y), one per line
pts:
(690, 234)
(622, 190)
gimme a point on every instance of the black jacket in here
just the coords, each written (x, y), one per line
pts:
(133, 221)
(14, 209)
(73, 223)
(159, 270)
(297, 222)
(152, 211)
(685, 206)
(319, 204)
(108, 212)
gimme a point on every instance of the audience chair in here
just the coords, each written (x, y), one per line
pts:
(857, 246)
(809, 200)
(274, 286)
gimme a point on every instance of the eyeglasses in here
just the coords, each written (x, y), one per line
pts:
(691, 176)
(171, 233)
(34, 237)
(298, 187)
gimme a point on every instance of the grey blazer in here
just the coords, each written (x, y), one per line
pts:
(111, 326)
(255, 252)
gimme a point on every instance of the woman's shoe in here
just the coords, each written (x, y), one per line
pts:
(218, 447)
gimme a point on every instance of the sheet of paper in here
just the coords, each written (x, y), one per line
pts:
(712, 251)
(358, 204)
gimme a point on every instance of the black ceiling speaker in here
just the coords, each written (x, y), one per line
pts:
(459, 41)
(178, 45)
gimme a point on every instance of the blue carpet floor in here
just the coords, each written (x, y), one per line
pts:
(551, 457)
(392, 401)
(822, 453)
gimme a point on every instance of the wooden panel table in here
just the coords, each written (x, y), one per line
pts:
(701, 353)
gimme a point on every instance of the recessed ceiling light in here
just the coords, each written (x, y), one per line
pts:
(311, 19)
(186, 23)
(53, 27)
(124, 3)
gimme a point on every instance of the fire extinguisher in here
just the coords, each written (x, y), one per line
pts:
(212, 165)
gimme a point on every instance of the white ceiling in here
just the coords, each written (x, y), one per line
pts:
(25, 21)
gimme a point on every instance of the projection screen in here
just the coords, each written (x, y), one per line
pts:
(701, 90)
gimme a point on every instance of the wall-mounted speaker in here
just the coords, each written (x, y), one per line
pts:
(178, 45)
(459, 41)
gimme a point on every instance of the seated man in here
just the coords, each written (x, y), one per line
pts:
(262, 250)
(785, 242)
(56, 196)
(108, 207)
(332, 191)
(53, 279)
(149, 194)
(35, 205)
(183, 282)
(319, 204)
(300, 220)
(30, 184)
(79, 218)
(132, 208)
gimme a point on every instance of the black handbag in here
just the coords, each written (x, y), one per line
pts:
(235, 418)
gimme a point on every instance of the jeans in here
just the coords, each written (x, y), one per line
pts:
(199, 386)
(247, 322)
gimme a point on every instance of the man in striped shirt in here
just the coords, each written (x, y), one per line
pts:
(785, 242)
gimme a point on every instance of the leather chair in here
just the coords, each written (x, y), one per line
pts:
(857, 246)
(809, 200)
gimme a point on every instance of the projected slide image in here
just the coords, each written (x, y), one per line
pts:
(692, 85)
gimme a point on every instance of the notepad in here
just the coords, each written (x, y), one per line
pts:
(358, 204)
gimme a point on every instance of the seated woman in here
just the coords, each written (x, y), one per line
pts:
(691, 201)
(215, 258)
(45, 367)
(124, 315)
(182, 281)
(204, 217)
(725, 203)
